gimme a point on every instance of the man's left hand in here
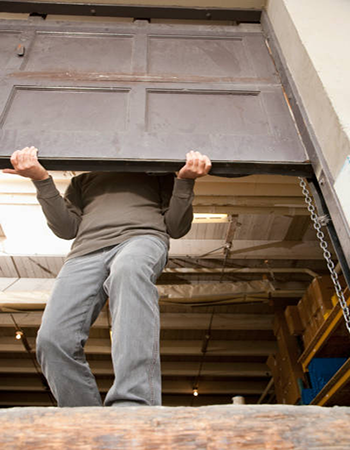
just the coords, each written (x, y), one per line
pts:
(197, 165)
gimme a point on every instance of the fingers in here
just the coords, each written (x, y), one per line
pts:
(197, 165)
(207, 164)
(14, 158)
(25, 163)
(11, 171)
(25, 158)
(201, 164)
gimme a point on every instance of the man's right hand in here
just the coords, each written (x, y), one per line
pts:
(26, 164)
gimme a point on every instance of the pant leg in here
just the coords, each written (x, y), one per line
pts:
(133, 300)
(75, 303)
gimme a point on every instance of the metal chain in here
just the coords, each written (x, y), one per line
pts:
(327, 255)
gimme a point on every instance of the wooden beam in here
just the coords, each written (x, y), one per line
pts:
(170, 321)
(221, 369)
(32, 383)
(211, 270)
(242, 210)
(248, 189)
(167, 347)
(247, 427)
(203, 400)
(251, 186)
(236, 204)
(219, 208)
(180, 368)
(252, 200)
(205, 387)
(218, 348)
(246, 249)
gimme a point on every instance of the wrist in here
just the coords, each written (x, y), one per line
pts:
(41, 177)
(181, 177)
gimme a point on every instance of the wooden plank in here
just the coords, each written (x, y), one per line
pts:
(214, 427)
(247, 189)
(32, 383)
(171, 321)
(253, 200)
(167, 347)
(173, 368)
(7, 267)
(7, 283)
(247, 249)
(261, 210)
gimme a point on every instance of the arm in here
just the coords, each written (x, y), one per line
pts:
(177, 208)
(178, 215)
(63, 214)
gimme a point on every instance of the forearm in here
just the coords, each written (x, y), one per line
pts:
(178, 217)
(62, 220)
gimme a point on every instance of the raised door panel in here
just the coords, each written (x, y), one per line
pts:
(145, 92)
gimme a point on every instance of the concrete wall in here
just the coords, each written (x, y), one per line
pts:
(314, 36)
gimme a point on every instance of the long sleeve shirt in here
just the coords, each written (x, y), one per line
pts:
(101, 209)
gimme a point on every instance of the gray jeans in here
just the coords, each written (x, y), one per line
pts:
(125, 273)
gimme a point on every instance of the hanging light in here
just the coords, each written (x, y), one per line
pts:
(195, 392)
(19, 334)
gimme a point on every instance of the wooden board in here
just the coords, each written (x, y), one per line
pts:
(211, 427)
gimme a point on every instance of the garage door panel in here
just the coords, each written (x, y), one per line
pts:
(258, 54)
(55, 110)
(214, 57)
(249, 148)
(9, 58)
(85, 52)
(201, 56)
(61, 145)
(231, 112)
(163, 146)
(206, 112)
(142, 91)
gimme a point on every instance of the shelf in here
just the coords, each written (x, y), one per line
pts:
(333, 321)
(337, 390)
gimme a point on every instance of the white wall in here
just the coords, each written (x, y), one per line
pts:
(315, 38)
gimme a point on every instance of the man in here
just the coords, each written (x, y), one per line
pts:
(121, 223)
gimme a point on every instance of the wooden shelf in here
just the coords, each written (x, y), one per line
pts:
(323, 335)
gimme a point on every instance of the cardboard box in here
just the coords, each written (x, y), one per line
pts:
(303, 313)
(308, 335)
(288, 350)
(294, 323)
(322, 290)
(307, 304)
(319, 319)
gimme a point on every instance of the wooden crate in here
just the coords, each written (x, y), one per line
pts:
(293, 319)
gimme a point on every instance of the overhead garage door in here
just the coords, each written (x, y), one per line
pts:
(94, 95)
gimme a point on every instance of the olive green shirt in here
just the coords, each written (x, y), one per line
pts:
(101, 209)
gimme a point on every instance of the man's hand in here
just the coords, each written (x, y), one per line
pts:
(197, 165)
(26, 164)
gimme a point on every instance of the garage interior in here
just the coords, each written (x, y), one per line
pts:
(246, 299)
(224, 291)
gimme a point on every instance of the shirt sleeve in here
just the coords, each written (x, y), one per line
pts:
(177, 206)
(63, 214)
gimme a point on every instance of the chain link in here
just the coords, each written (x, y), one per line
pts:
(326, 253)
